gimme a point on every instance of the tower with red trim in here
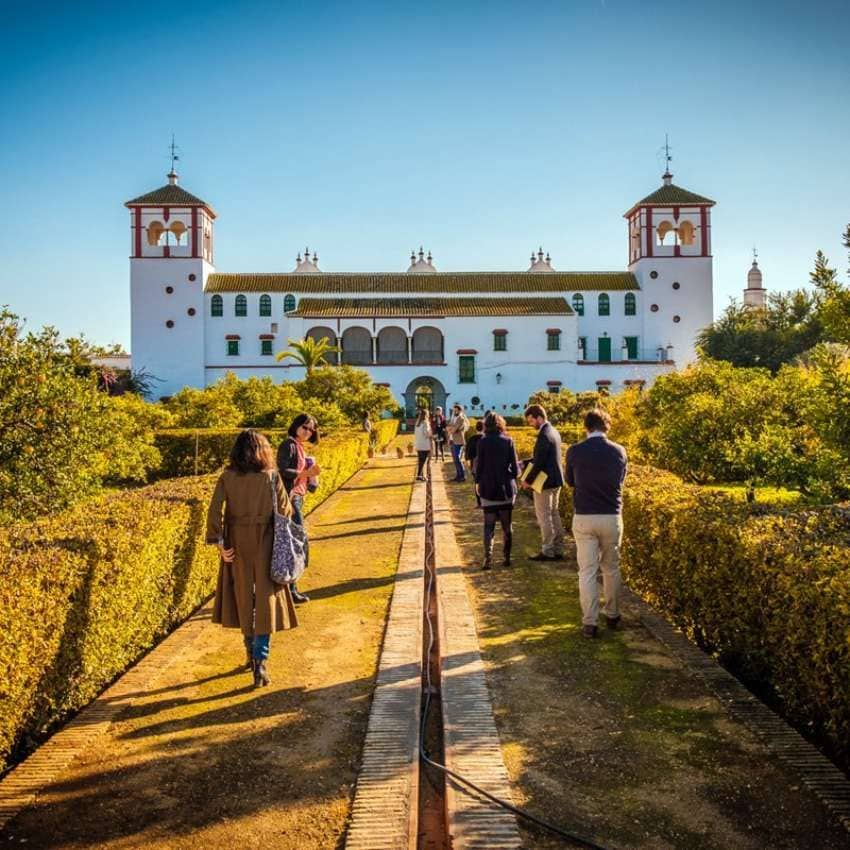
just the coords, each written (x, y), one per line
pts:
(670, 255)
(171, 257)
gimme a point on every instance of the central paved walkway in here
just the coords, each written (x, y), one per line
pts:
(202, 760)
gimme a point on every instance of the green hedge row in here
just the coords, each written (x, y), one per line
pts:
(84, 593)
(768, 592)
(190, 451)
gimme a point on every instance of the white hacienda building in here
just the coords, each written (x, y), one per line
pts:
(483, 339)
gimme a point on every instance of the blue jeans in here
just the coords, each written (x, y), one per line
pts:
(298, 518)
(258, 646)
(456, 450)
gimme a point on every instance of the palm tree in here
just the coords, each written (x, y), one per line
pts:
(309, 352)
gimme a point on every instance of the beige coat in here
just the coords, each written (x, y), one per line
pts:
(240, 515)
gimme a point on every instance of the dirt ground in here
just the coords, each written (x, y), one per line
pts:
(205, 761)
(612, 739)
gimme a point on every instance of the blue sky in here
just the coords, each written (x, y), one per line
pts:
(479, 130)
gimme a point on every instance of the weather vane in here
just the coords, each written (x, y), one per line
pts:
(667, 158)
(174, 155)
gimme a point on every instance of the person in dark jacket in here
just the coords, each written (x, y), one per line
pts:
(547, 459)
(495, 471)
(472, 443)
(596, 469)
(297, 472)
(438, 430)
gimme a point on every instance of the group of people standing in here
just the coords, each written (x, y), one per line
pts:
(595, 469)
(252, 488)
(431, 433)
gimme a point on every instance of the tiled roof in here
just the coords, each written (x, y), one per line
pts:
(429, 307)
(402, 283)
(673, 196)
(169, 195)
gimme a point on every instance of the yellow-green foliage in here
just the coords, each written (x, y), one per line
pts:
(769, 591)
(179, 447)
(85, 592)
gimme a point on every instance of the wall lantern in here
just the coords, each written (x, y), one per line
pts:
(498, 377)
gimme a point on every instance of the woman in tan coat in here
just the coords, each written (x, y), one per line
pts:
(241, 522)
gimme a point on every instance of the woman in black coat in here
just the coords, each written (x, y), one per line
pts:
(495, 469)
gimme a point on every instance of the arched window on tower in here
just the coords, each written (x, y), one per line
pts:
(631, 304)
(604, 304)
(176, 234)
(686, 233)
(265, 305)
(241, 305)
(578, 304)
(216, 306)
(288, 303)
(155, 231)
(664, 228)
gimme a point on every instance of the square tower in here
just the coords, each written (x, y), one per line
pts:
(171, 257)
(670, 255)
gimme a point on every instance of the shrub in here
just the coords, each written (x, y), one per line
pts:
(86, 591)
(349, 388)
(53, 427)
(769, 592)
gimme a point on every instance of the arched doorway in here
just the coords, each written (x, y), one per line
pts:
(424, 392)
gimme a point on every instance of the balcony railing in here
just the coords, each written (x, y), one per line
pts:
(392, 355)
(427, 356)
(357, 358)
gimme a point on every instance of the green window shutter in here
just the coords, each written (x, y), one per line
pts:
(233, 348)
(500, 342)
(631, 304)
(216, 306)
(466, 369)
(265, 347)
(604, 304)
(265, 305)
(632, 346)
(289, 303)
(241, 308)
(578, 303)
(553, 342)
(605, 349)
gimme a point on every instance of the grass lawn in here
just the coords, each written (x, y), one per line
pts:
(612, 738)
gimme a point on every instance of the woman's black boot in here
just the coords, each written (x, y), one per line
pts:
(506, 548)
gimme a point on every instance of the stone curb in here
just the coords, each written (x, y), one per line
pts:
(471, 741)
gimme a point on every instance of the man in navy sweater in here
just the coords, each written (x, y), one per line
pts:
(596, 469)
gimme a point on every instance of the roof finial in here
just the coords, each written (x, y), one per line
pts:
(172, 175)
(755, 256)
(421, 252)
(667, 177)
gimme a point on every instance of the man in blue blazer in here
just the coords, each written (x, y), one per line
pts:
(596, 469)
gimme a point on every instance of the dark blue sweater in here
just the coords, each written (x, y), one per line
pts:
(596, 468)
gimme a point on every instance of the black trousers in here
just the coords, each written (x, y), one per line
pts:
(423, 459)
(504, 516)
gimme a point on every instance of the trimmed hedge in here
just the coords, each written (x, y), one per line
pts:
(190, 451)
(86, 592)
(768, 592)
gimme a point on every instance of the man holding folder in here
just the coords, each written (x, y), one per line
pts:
(545, 477)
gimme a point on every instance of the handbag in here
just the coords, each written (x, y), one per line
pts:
(289, 550)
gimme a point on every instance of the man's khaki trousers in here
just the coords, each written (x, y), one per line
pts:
(598, 538)
(549, 520)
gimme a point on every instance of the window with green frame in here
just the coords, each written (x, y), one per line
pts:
(288, 303)
(466, 369)
(265, 347)
(604, 304)
(241, 308)
(233, 348)
(631, 304)
(265, 305)
(217, 306)
(500, 341)
(631, 347)
(578, 303)
(553, 340)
